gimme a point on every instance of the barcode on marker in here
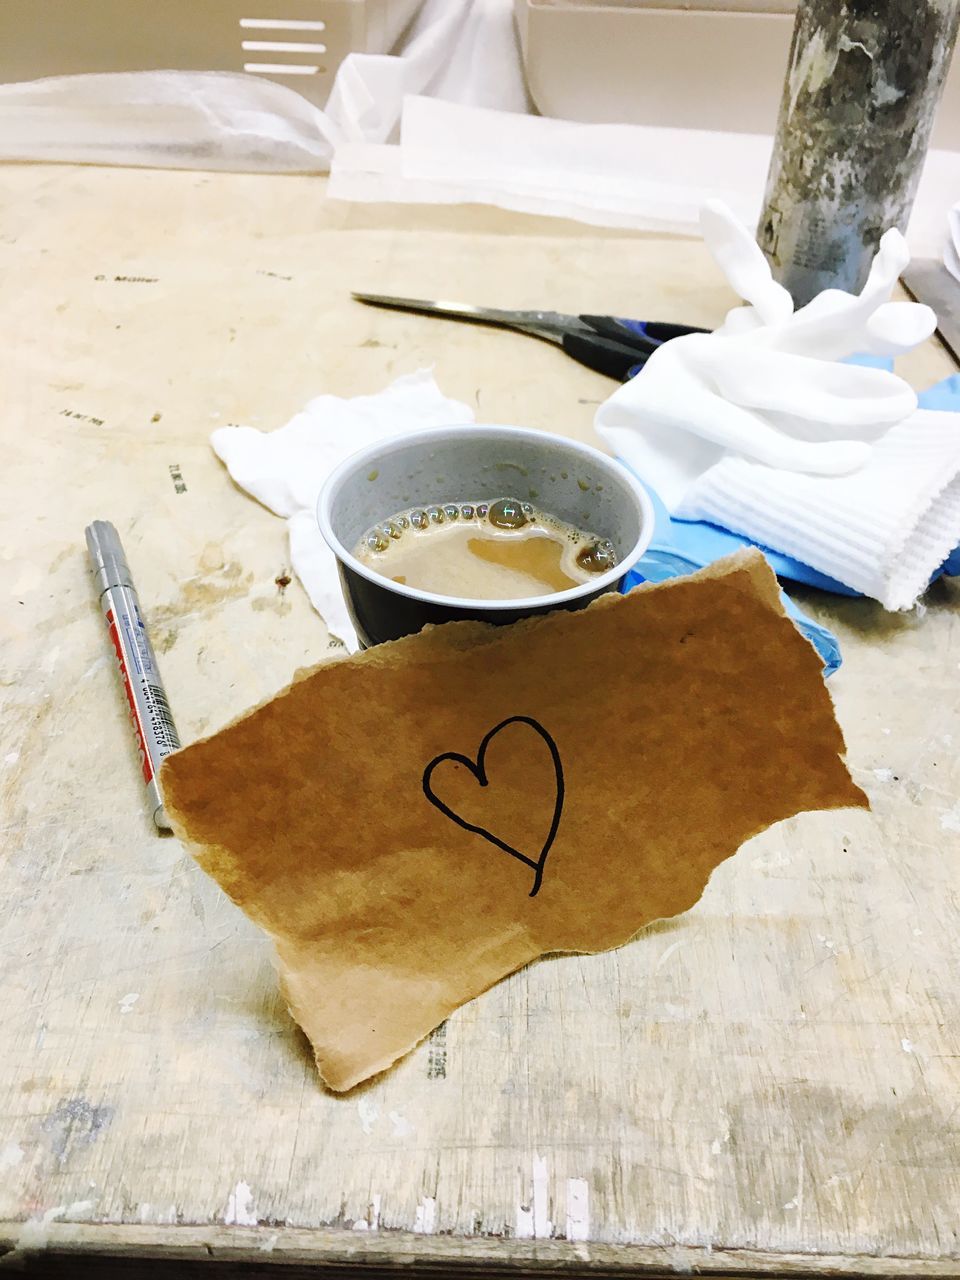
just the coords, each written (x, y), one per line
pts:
(161, 719)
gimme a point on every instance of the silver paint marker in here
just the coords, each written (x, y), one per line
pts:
(146, 697)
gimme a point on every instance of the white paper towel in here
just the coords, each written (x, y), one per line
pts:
(631, 176)
(607, 174)
(285, 469)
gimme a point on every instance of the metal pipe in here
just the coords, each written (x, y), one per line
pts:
(863, 82)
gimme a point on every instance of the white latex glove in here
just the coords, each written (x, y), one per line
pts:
(767, 385)
(951, 254)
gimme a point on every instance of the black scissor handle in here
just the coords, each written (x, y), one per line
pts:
(642, 335)
(614, 359)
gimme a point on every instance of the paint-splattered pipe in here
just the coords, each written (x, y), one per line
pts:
(863, 82)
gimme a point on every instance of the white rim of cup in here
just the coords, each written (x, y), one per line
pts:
(603, 580)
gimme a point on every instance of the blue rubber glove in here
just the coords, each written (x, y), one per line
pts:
(680, 547)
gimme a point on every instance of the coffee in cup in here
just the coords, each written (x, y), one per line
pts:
(501, 550)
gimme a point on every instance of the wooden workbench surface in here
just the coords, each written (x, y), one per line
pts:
(769, 1083)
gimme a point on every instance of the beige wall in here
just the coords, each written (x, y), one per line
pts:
(716, 66)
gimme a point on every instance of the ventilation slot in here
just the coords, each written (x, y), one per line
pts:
(281, 68)
(281, 24)
(282, 46)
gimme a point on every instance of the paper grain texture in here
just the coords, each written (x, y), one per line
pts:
(413, 823)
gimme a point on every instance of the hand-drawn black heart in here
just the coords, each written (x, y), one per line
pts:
(478, 770)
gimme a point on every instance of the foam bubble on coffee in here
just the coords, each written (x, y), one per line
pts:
(483, 550)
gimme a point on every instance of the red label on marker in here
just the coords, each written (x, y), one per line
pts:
(145, 762)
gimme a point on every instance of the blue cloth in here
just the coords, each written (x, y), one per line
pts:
(683, 546)
(942, 395)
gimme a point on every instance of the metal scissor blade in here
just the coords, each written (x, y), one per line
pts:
(545, 324)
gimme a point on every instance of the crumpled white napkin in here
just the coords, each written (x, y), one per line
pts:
(757, 427)
(285, 469)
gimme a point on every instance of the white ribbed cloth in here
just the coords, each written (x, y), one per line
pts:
(883, 530)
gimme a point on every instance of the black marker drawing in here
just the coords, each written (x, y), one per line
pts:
(478, 770)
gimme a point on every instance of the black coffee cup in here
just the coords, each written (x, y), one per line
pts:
(572, 481)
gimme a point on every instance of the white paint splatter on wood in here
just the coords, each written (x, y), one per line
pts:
(542, 1226)
(578, 1209)
(97, 665)
(426, 1216)
(772, 861)
(35, 1231)
(369, 1114)
(674, 946)
(950, 820)
(10, 1156)
(523, 1229)
(240, 1210)
(797, 1201)
(128, 1001)
(402, 1128)
(148, 1214)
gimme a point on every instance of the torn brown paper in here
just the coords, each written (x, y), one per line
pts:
(416, 822)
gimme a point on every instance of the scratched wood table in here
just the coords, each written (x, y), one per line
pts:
(769, 1084)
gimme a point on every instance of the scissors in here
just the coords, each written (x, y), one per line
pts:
(610, 345)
